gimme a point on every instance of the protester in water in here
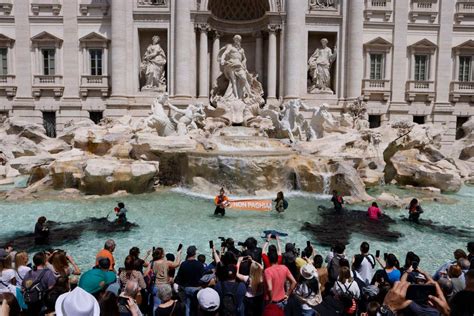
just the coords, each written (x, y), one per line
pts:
(280, 203)
(121, 213)
(414, 211)
(337, 200)
(41, 231)
(374, 211)
(221, 202)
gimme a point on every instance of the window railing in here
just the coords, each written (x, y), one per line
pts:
(376, 84)
(465, 7)
(416, 85)
(52, 80)
(89, 80)
(424, 6)
(462, 86)
(7, 80)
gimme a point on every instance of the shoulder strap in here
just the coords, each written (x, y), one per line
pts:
(172, 311)
(38, 279)
(372, 261)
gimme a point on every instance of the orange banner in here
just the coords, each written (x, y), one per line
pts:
(251, 205)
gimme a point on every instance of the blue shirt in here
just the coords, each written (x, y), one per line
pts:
(394, 276)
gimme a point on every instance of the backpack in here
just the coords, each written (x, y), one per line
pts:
(348, 299)
(334, 268)
(285, 204)
(34, 293)
(229, 300)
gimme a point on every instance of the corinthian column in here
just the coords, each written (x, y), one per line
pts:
(185, 52)
(272, 61)
(259, 54)
(216, 45)
(295, 48)
(203, 64)
(119, 48)
(355, 70)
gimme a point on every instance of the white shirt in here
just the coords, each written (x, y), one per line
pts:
(5, 277)
(352, 287)
(20, 274)
(366, 270)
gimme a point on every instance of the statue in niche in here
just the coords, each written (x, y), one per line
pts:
(321, 4)
(152, 67)
(236, 89)
(319, 66)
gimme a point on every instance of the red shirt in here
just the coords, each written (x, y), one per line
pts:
(276, 275)
(266, 261)
(374, 212)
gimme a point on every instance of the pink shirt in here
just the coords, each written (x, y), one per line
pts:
(277, 275)
(374, 212)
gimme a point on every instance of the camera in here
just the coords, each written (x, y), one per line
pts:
(242, 244)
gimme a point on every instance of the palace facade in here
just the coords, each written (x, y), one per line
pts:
(61, 60)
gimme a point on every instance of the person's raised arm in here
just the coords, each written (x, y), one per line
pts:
(381, 262)
(76, 269)
(240, 276)
(174, 108)
(265, 245)
(177, 261)
(395, 299)
(278, 245)
(217, 259)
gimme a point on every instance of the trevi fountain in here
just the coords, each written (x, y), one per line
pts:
(166, 167)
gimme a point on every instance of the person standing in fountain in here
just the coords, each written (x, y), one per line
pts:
(121, 213)
(374, 212)
(338, 201)
(221, 202)
(280, 203)
(41, 231)
(414, 211)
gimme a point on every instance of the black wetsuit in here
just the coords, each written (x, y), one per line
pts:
(337, 201)
(414, 214)
(41, 234)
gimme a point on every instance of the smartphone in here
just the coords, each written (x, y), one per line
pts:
(211, 244)
(180, 247)
(420, 292)
(385, 255)
(414, 265)
(122, 301)
(377, 254)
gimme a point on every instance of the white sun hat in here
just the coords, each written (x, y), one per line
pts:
(77, 303)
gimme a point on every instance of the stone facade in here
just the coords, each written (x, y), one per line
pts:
(70, 59)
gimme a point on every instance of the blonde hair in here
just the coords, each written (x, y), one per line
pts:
(256, 276)
(345, 275)
(21, 259)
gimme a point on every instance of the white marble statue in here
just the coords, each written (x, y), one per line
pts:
(288, 122)
(236, 88)
(158, 119)
(153, 66)
(319, 66)
(358, 110)
(187, 119)
(321, 4)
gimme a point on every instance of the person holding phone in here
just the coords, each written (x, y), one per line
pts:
(271, 249)
(221, 201)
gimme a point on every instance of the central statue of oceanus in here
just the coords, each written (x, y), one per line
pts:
(236, 91)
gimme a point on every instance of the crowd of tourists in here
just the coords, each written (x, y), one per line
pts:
(250, 279)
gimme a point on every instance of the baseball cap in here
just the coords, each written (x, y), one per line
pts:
(208, 299)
